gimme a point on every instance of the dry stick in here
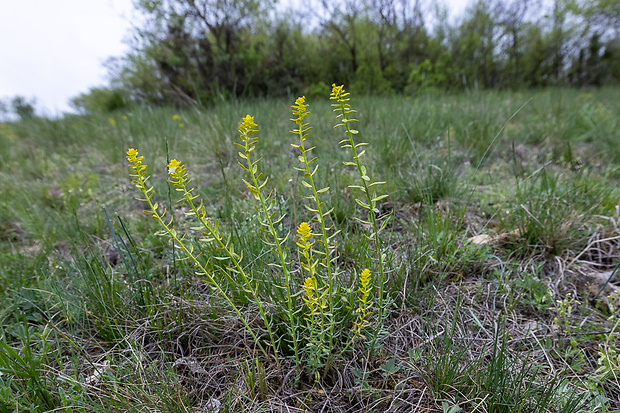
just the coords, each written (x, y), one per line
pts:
(544, 352)
(608, 280)
(590, 245)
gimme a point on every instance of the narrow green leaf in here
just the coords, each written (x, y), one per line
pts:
(357, 187)
(379, 198)
(376, 183)
(362, 204)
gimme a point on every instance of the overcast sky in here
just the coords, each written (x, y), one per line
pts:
(54, 50)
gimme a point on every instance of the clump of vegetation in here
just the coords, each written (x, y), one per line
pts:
(318, 328)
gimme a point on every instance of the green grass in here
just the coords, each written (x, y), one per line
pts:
(98, 313)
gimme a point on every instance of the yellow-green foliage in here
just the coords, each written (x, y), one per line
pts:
(609, 359)
(370, 197)
(364, 311)
(319, 326)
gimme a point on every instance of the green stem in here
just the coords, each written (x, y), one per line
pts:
(233, 257)
(325, 239)
(173, 235)
(251, 168)
(373, 219)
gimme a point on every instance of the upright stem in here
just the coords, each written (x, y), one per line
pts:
(372, 217)
(324, 238)
(171, 232)
(233, 257)
(270, 225)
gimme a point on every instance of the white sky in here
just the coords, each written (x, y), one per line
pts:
(54, 50)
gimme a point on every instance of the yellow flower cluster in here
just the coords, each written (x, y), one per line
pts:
(300, 109)
(132, 157)
(365, 284)
(135, 163)
(310, 291)
(304, 233)
(338, 93)
(365, 303)
(175, 168)
(247, 127)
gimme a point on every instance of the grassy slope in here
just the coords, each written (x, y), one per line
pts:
(101, 321)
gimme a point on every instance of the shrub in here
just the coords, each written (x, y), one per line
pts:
(101, 100)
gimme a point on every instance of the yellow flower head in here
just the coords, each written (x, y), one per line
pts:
(365, 281)
(300, 110)
(112, 122)
(247, 127)
(124, 117)
(132, 156)
(175, 167)
(310, 287)
(176, 117)
(181, 125)
(304, 232)
(135, 163)
(338, 93)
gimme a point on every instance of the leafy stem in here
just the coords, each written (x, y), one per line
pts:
(141, 183)
(371, 199)
(247, 129)
(300, 110)
(178, 177)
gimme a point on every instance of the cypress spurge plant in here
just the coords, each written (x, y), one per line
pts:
(364, 310)
(306, 296)
(209, 230)
(325, 280)
(370, 198)
(268, 219)
(315, 298)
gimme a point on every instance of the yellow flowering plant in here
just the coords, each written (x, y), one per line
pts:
(370, 197)
(210, 232)
(268, 217)
(307, 313)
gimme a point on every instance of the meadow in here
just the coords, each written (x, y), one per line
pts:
(485, 281)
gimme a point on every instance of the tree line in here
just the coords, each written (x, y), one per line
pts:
(192, 52)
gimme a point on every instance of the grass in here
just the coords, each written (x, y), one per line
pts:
(503, 208)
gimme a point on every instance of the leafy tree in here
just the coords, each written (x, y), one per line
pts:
(192, 52)
(473, 45)
(511, 15)
(23, 107)
(101, 100)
